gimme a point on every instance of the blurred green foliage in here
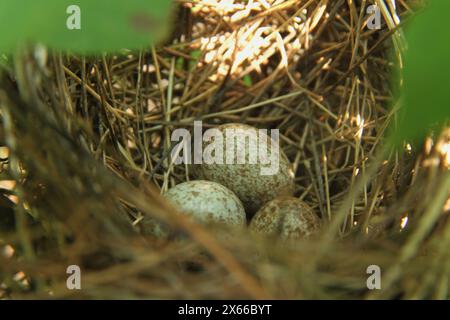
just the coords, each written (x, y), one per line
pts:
(106, 25)
(247, 80)
(425, 94)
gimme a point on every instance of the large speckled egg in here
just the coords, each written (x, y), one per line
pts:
(286, 217)
(207, 201)
(260, 178)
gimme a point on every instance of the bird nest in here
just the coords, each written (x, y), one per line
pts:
(86, 154)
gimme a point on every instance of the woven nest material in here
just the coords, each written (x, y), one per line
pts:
(86, 155)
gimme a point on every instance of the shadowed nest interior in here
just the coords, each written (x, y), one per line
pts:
(86, 154)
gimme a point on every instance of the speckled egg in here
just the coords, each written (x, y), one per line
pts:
(149, 226)
(260, 178)
(207, 201)
(286, 217)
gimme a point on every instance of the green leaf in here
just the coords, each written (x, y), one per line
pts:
(106, 25)
(247, 80)
(179, 64)
(426, 88)
(196, 54)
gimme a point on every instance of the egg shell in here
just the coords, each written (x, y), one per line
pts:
(207, 201)
(152, 227)
(245, 180)
(286, 217)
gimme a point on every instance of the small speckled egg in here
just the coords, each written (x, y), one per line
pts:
(152, 227)
(207, 201)
(286, 217)
(247, 179)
